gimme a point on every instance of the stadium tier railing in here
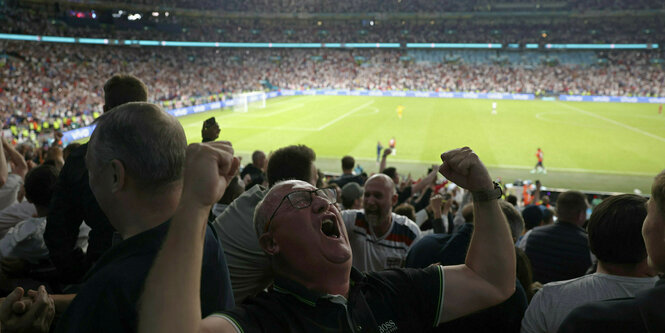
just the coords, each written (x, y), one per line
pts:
(166, 43)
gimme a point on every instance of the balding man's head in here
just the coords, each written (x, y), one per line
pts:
(149, 143)
(379, 198)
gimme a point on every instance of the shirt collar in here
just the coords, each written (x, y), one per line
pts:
(286, 286)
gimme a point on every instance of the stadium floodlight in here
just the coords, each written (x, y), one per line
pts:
(244, 101)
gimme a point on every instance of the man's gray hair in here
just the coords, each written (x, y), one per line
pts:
(149, 142)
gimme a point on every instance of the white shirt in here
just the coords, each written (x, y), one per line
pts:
(14, 214)
(372, 253)
(25, 240)
(9, 190)
(550, 306)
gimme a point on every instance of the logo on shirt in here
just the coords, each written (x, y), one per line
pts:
(394, 262)
(388, 327)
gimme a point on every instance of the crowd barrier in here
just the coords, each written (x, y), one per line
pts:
(580, 98)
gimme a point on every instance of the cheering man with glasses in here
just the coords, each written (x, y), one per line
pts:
(316, 289)
(303, 199)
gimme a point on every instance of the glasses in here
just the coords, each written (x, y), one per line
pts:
(303, 199)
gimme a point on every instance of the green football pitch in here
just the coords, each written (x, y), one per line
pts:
(614, 147)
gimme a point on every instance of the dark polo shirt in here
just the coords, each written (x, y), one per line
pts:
(395, 300)
(559, 251)
(107, 299)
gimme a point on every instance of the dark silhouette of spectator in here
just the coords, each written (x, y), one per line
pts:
(560, 251)
(352, 196)
(644, 312)
(348, 163)
(74, 203)
(615, 238)
(254, 173)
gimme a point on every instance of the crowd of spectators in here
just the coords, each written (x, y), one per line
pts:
(52, 82)
(441, 254)
(379, 6)
(542, 30)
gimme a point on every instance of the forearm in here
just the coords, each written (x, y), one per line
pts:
(4, 170)
(21, 167)
(491, 252)
(62, 301)
(421, 185)
(171, 301)
(382, 165)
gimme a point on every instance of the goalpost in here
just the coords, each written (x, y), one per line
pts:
(255, 99)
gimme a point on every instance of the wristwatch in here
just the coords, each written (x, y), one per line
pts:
(488, 195)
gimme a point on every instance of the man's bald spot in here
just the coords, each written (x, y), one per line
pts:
(387, 182)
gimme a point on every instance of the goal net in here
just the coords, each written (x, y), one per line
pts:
(243, 102)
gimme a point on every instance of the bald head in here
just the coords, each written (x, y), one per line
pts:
(379, 198)
(384, 180)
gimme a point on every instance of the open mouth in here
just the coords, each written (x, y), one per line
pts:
(329, 228)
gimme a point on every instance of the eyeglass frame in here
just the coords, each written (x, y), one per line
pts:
(332, 201)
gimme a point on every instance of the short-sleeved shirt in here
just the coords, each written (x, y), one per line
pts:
(643, 313)
(372, 253)
(14, 214)
(25, 240)
(396, 300)
(248, 265)
(108, 297)
(550, 306)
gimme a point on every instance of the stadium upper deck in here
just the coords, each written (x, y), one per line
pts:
(411, 6)
(132, 21)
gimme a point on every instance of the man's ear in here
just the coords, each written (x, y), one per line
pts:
(394, 199)
(118, 174)
(268, 244)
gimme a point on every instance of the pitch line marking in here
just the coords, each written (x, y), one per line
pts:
(523, 167)
(631, 128)
(345, 115)
(272, 113)
(271, 128)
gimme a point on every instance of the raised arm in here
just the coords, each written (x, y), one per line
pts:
(427, 181)
(4, 170)
(382, 165)
(171, 301)
(19, 166)
(488, 275)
